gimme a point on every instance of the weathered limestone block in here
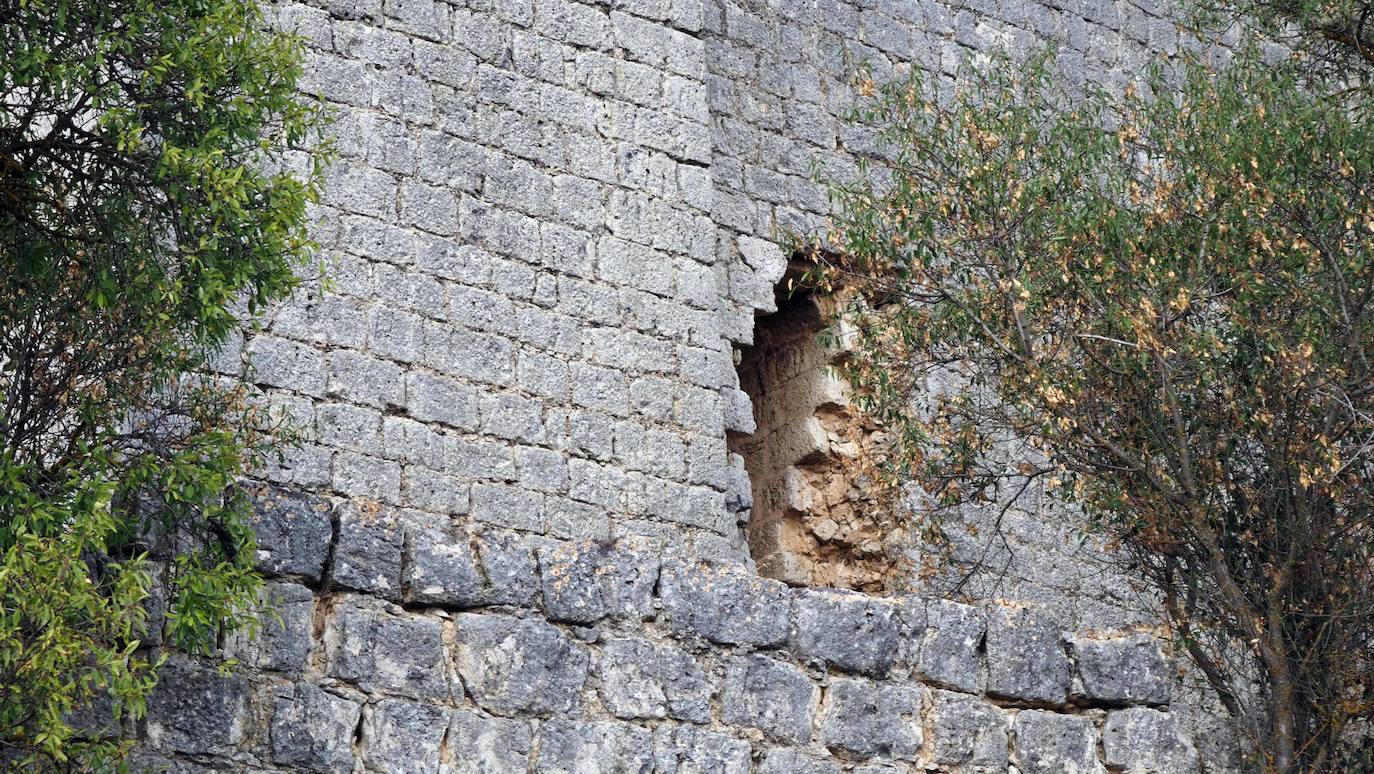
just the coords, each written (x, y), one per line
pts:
(313, 730)
(724, 606)
(950, 644)
(284, 641)
(468, 571)
(401, 735)
(850, 631)
(1025, 656)
(440, 570)
(574, 747)
(366, 645)
(515, 665)
(690, 749)
(869, 719)
(293, 530)
(781, 760)
(584, 582)
(774, 697)
(480, 744)
(367, 556)
(967, 732)
(1140, 740)
(194, 709)
(642, 680)
(509, 572)
(1122, 670)
(1050, 743)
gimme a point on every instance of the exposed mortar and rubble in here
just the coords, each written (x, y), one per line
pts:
(577, 495)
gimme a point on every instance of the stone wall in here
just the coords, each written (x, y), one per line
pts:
(498, 655)
(549, 232)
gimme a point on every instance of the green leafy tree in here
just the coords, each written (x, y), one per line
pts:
(1160, 305)
(156, 162)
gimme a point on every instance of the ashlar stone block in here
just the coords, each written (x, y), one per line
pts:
(585, 581)
(293, 531)
(726, 607)
(367, 556)
(1139, 740)
(1050, 743)
(850, 631)
(513, 665)
(312, 730)
(772, 696)
(574, 747)
(486, 745)
(1026, 658)
(401, 735)
(690, 749)
(968, 733)
(868, 719)
(366, 645)
(196, 710)
(1122, 670)
(949, 647)
(640, 679)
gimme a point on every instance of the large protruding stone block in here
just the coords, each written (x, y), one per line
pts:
(640, 679)
(380, 651)
(488, 745)
(293, 530)
(967, 733)
(584, 582)
(313, 730)
(951, 644)
(194, 709)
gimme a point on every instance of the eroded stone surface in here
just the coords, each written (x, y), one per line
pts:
(313, 730)
(1049, 743)
(481, 744)
(868, 719)
(726, 607)
(640, 679)
(1139, 740)
(293, 530)
(967, 732)
(194, 709)
(1026, 658)
(852, 632)
(376, 649)
(400, 735)
(1122, 670)
(772, 696)
(570, 747)
(516, 665)
(950, 644)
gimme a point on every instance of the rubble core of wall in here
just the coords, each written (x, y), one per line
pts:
(492, 652)
(821, 515)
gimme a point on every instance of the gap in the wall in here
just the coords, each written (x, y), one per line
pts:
(817, 518)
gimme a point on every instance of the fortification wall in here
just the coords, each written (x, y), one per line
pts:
(516, 538)
(620, 657)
